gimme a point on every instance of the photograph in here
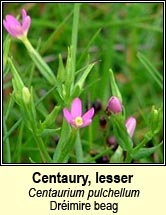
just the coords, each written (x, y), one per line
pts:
(83, 83)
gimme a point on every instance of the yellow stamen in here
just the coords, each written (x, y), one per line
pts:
(78, 121)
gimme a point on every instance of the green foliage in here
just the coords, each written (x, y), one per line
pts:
(69, 52)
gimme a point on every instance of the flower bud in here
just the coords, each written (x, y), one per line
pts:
(97, 106)
(103, 122)
(112, 142)
(15, 28)
(130, 125)
(26, 95)
(103, 159)
(155, 119)
(114, 105)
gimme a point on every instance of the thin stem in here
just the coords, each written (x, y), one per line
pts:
(6, 143)
(32, 123)
(78, 149)
(11, 129)
(90, 137)
(62, 141)
(39, 62)
(75, 33)
(147, 138)
(19, 144)
(43, 150)
(8, 108)
(65, 149)
(128, 158)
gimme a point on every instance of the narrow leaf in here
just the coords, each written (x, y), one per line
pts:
(84, 75)
(151, 69)
(145, 152)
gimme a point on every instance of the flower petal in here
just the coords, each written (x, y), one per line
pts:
(114, 105)
(16, 31)
(76, 108)
(67, 115)
(11, 20)
(130, 125)
(26, 24)
(88, 122)
(14, 27)
(11, 28)
(6, 25)
(26, 21)
(88, 115)
(24, 14)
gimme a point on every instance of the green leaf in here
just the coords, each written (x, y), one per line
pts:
(6, 50)
(17, 83)
(151, 69)
(144, 152)
(114, 86)
(155, 120)
(120, 132)
(18, 80)
(117, 157)
(61, 74)
(49, 132)
(84, 75)
(66, 148)
(43, 67)
(69, 70)
(63, 141)
(76, 92)
(50, 119)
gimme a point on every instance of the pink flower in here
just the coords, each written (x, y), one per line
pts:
(14, 27)
(114, 105)
(75, 117)
(130, 125)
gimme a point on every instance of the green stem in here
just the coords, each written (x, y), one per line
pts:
(65, 149)
(9, 108)
(17, 155)
(143, 142)
(43, 150)
(147, 138)
(78, 149)
(62, 141)
(128, 158)
(90, 137)
(30, 118)
(75, 35)
(39, 62)
(11, 129)
(6, 144)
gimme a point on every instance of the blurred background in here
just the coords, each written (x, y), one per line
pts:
(112, 34)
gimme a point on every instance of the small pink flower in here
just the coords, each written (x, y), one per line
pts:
(114, 105)
(14, 27)
(130, 125)
(75, 117)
